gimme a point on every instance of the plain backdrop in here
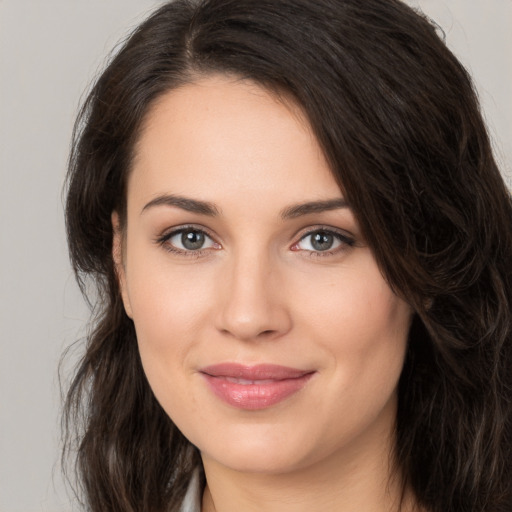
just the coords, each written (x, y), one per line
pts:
(50, 50)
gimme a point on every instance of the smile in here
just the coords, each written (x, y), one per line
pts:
(254, 387)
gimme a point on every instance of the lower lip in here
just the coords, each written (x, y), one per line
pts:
(258, 395)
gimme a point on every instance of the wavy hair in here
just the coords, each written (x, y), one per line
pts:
(399, 122)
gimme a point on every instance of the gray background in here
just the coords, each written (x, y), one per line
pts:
(49, 52)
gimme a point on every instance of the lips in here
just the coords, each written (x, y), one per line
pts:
(254, 387)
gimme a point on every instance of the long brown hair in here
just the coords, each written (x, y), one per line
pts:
(399, 122)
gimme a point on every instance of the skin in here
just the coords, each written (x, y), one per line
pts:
(258, 292)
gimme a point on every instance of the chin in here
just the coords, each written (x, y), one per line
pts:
(257, 461)
(249, 451)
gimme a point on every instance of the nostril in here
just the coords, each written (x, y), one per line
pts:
(254, 335)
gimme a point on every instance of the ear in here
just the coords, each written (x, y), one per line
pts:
(118, 258)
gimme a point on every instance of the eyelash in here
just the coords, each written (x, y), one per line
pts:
(345, 241)
(164, 241)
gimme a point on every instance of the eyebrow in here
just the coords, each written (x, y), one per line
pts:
(185, 203)
(211, 210)
(299, 210)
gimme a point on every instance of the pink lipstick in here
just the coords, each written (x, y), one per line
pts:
(254, 387)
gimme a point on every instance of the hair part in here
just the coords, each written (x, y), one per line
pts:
(399, 122)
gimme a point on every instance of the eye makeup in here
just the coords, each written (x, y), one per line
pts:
(193, 240)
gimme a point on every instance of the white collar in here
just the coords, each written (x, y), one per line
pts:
(192, 500)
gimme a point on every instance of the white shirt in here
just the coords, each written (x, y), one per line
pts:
(192, 500)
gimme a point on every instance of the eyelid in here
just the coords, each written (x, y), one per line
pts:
(169, 233)
(346, 239)
(325, 228)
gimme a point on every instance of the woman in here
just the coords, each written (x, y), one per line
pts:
(301, 245)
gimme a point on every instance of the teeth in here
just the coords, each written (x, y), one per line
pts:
(246, 382)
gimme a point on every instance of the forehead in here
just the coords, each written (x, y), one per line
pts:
(226, 133)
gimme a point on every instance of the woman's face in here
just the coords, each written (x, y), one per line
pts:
(265, 328)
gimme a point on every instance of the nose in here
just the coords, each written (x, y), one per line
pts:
(252, 300)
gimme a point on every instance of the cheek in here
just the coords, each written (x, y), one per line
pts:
(362, 330)
(362, 327)
(171, 307)
(166, 317)
(166, 298)
(354, 304)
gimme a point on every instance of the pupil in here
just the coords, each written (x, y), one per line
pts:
(192, 240)
(322, 241)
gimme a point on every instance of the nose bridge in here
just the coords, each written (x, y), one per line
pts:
(251, 305)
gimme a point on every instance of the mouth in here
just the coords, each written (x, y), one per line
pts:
(254, 387)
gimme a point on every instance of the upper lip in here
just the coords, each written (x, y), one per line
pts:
(254, 372)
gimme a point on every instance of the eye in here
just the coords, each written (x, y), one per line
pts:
(323, 241)
(187, 240)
